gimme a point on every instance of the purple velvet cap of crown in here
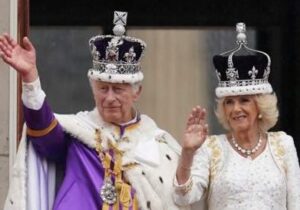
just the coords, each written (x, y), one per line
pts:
(248, 75)
(116, 59)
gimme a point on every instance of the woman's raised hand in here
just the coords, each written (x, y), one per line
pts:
(196, 130)
(21, 58)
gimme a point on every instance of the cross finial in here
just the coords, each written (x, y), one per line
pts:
(241, 33)
(120, 18)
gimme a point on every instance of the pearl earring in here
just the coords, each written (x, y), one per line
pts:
(260, 116)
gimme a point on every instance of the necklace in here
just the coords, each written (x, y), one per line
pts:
(244, 151)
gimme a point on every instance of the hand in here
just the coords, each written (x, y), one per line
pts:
(22, 59)
(195, 134)
(196, 130)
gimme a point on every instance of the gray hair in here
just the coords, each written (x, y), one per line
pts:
(135, 86)
(267, 107)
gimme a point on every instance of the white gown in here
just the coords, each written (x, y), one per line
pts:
(232, 182)
(250, 184)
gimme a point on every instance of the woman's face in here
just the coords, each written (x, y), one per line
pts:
(241, 112)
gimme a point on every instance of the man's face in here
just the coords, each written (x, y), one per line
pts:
(115, 101)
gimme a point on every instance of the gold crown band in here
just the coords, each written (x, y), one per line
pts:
(43, 132)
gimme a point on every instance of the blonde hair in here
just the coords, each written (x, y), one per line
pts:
(267, 108)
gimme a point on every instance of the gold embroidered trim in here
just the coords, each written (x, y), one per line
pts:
(278, 148)
(43, 132)
(215, 155)
(185, 188)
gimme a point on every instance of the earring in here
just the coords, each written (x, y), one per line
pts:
(260, 116)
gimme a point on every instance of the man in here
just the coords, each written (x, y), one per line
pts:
(115, 157)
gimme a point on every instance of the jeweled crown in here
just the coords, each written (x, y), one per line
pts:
(116, 58)
(242, 74)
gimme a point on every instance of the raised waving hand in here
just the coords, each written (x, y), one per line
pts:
(21, 58)
(194, 136)
(196, 130)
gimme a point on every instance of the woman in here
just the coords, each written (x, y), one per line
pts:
(249, 167)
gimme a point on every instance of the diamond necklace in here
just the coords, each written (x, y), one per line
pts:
(244, 151)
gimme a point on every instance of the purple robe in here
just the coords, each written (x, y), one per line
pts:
(84, 173)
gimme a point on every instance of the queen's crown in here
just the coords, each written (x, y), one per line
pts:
(243, 70)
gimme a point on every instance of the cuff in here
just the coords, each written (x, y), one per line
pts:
(32, 95)
(183, 188)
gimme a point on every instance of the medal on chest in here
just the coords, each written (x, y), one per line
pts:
(108, 192)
